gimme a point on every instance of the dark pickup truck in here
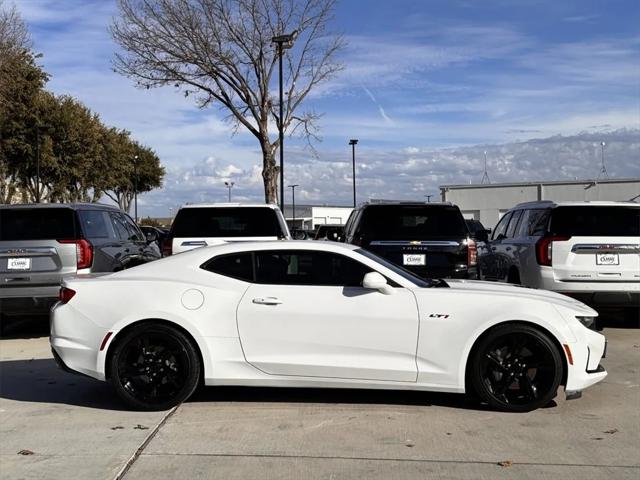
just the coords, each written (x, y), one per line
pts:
(429, 239)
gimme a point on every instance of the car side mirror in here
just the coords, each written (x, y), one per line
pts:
(482, 236)
(375, 281)
(151, 236)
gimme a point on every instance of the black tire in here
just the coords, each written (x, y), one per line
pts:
(154, 367)
(516, 368)
(513, 277)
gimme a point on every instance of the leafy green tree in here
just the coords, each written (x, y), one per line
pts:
(21, 85)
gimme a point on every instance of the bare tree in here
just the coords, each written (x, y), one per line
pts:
(221, 51)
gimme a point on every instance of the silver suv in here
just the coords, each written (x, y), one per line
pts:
(587, 250)
(40, 244)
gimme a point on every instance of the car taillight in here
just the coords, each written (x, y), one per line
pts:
(472, 253)
(84, 252)
(544, 249)
(66, 294)
(167, 247)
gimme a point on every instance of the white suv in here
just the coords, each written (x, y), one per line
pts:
(587, 250)
(201, 225)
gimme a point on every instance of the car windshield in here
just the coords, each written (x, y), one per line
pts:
(414, 222)
(226, 222)
(596, 221)
(406, 274)
(37, 224)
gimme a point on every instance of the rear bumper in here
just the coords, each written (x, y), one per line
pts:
(594, 294)
(607, 299)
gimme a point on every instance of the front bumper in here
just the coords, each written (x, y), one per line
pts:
(586, 354)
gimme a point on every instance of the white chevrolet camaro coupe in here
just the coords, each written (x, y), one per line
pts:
(319, 314)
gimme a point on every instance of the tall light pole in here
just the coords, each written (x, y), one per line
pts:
(428, 198)
(135, 186)
(293, 203)
(283, 42)
(353, 142)
(603, 169)
(229, 185)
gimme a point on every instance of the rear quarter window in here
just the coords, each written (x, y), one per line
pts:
(238, 266)
(38, 224)
(95, 224)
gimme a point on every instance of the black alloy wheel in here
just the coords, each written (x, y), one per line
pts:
(154, 367)
(516, 368)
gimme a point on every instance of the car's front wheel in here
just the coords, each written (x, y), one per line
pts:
(516, 368)
(154, 367)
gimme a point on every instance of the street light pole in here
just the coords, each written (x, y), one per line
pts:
(135, 186)
(428, 198)
(353, 142)
(283, 42)
(293, 204)
(229, 185)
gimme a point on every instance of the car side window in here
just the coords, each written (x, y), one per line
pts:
(237, 265)
(538, 220)
(501, 227)
(523, 227)
(96, 224)
(513, 224)
(134, 232)
(119, 226)
(307, 267)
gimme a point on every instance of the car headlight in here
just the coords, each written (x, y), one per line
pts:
(588, 322)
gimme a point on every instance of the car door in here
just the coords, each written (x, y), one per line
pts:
(123, 249)
(140, 250)
(489, 261)
(308, 315)
(505, 248)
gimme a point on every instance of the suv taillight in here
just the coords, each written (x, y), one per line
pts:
(544, 249)
(66, 294)
(84, 252)
(472, 253)
(167, 247)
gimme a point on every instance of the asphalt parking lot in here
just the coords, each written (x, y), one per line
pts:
(54, 425)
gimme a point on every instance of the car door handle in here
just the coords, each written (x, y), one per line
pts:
(508, 249)
(493, 249)
(267, 301)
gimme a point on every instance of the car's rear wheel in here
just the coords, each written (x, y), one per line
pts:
(154, 367)
(516, 368)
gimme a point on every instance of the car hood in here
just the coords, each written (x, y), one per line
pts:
(492, 288)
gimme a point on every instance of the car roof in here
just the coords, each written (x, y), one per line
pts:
(410, 203)
(73, 206)
(227, 205)
(576, 203)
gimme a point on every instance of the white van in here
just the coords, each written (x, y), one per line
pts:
(201, 225)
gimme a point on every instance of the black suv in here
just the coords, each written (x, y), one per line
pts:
(40, 244)
(430, 239)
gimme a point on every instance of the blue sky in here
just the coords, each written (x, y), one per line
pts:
(428, 87)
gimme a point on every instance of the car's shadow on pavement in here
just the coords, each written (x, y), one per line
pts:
(25, 327)
(41, 381)
(334, 396)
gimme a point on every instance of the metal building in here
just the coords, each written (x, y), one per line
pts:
(310, 217)
(488, 202)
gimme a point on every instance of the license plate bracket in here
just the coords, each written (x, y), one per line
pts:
(18, 264)
(607, 259)
(414, 259)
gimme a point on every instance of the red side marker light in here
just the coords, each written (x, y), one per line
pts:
(569, 356)
(105, 340)
(66, 294)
